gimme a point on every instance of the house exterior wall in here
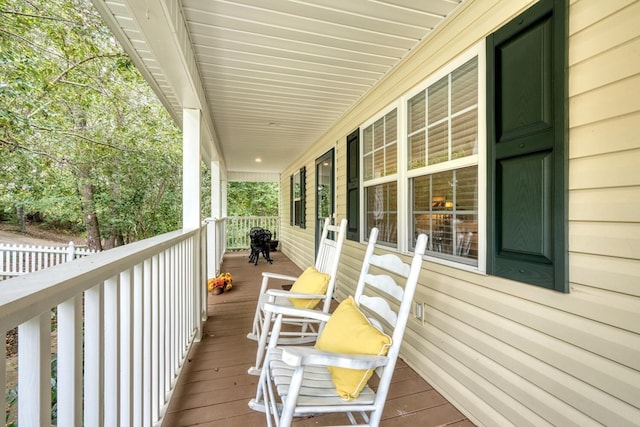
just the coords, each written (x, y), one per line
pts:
(505, 352)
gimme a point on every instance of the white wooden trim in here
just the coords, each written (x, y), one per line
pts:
(94, 349)
(156, 309)
(147, 336)
(126, 346)
(111, 356)
(34, 371)
(3, 380)
(70, 362)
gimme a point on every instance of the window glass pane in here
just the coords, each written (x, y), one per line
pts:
(438, 94)
(466, 190)
(391, 127)
(416, 106)
(381, 203)
(296, 186)
(297, 197)
(391, 159)
(381, 138)
(441, 190)
(378, 164)
(297, 212)
(367, 140)
(367, 164)
(391, 136)
(439, 143)
(464, 134)
(378, 134)
(416, 151)
(464, 86)
(445, 207)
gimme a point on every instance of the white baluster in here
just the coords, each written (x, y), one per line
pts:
(34, 371)
(70, 362)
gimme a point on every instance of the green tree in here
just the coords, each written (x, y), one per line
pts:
(83, 139)
(252, 198)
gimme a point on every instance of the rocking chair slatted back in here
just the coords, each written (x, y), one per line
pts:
(295, 381)
(303, 331)
(328, 257)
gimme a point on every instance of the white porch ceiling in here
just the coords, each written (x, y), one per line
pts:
(270, 76)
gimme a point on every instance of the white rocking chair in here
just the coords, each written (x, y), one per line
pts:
(295, 381)
(303, 330)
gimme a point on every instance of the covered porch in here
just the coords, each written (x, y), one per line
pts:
(214, 386)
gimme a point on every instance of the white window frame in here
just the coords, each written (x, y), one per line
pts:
(396, 105)
(404, 174)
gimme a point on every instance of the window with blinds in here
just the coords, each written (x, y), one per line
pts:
(297, 195)
(442, 160)
(380, 168)
(380, 148)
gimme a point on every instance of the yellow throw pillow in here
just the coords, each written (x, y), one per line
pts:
(349, 331)
(311, 281)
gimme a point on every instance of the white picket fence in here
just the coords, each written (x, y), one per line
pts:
(16, 260)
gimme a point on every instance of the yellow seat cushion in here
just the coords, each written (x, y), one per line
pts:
(311, 281)
(349, 331)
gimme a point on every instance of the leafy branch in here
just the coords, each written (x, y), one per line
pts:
(30, 15)
(84, 138)
(84, 61)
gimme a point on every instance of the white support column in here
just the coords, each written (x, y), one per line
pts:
(216, 213)
(216, 196)
(223, 195)
(191, 133)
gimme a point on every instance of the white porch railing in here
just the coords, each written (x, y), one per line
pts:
(126, 319)
(16, 260)
(238, 228)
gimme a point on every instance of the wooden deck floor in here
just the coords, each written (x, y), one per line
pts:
(214, 387)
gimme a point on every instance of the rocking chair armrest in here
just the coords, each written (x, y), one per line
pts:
(297, 312)
(302, 356)
(278, 276)
(288, 294)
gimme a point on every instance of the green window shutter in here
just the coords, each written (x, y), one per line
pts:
(303, 197)
(353, 186)
(527, 166)
(292, 207)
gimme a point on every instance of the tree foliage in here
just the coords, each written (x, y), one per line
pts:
(252, 198)
(83, 139)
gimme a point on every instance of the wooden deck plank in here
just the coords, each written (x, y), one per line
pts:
(214, 388)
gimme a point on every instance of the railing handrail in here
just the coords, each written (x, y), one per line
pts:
(36, 291)
(252, 216)
(126, 319)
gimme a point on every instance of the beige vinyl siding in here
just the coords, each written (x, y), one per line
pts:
(507, 353)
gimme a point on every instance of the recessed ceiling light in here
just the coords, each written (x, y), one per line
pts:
(258, 159)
